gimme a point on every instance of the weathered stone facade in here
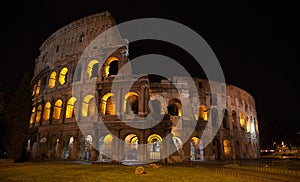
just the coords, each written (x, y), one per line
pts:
(85, 126)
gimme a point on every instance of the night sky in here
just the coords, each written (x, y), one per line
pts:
(257, 44)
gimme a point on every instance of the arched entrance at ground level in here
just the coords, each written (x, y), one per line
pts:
(88, 146)
(105, 147)
(197, 149)
(216, 149)
(43, 147)
(131, 148)
(237, 149)
(67, 147)
(54, 148)
(178, 144)
(154, 146)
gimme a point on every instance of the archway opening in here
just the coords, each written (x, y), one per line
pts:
(131, 148)
(154, 146)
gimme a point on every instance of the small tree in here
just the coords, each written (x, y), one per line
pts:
(18, 113)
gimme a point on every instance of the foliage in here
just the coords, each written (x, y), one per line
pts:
(15, 112)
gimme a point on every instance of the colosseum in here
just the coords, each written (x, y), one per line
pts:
(99, 123)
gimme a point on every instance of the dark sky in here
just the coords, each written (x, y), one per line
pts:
(256, 42)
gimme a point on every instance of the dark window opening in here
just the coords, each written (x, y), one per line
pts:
(113, 68)
(81, 38)
(173, 110)
(200, 84)
(57, 48)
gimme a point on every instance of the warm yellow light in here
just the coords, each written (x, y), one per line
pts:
(47, 109)
(62, 75)
(70, 107)
(134, 96)
(52, 79)
(90, 68)
(107, 65)
(57, 109)
(154, 136)
(108, 139)
(196, 141)
(107, 106)
(227, 147)
(88, 106)
(248, 125)
(203, 113)
(38, 88)
(242, 120)
(32, 115)
(38, 113)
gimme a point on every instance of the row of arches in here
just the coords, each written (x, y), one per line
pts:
(110, 67)
(66, 148)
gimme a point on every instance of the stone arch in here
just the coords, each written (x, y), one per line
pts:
(107, 105)
(70, 110)
(216, 149)
(196, 149)
(131, 147)
(88, 106)
(203, 113)
(52, 80)
(105, 147)
(68, 146)
(242, 120)
(225, 121)
(92, 69)
(111, 66)
(174, 107)
(154, 146)
(131, 103)
(57, 109)
(47, 110)
(63, 75)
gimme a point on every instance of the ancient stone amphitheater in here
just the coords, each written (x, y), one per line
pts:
(98, 125)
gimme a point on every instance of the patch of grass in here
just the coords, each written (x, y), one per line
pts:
(47, 172)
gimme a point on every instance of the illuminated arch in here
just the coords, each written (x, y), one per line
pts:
(105, 147)
(52, 80)
(154, 143)
(32, 115)
(227, 147)
(38, 88)
(174, 107)
(107, 106)
(234, 119)
(47, 110)
(203, 113)
(107, 66)
(196, 149)
(92, 69)
(131, 103)
(34, 89)
(242, 120)
(57, 109)
(154, 137)
(70, 107)
(63, 75)
(178, 144)
(248, 124)
(88, 106)
(131, 147)
(39, 113)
